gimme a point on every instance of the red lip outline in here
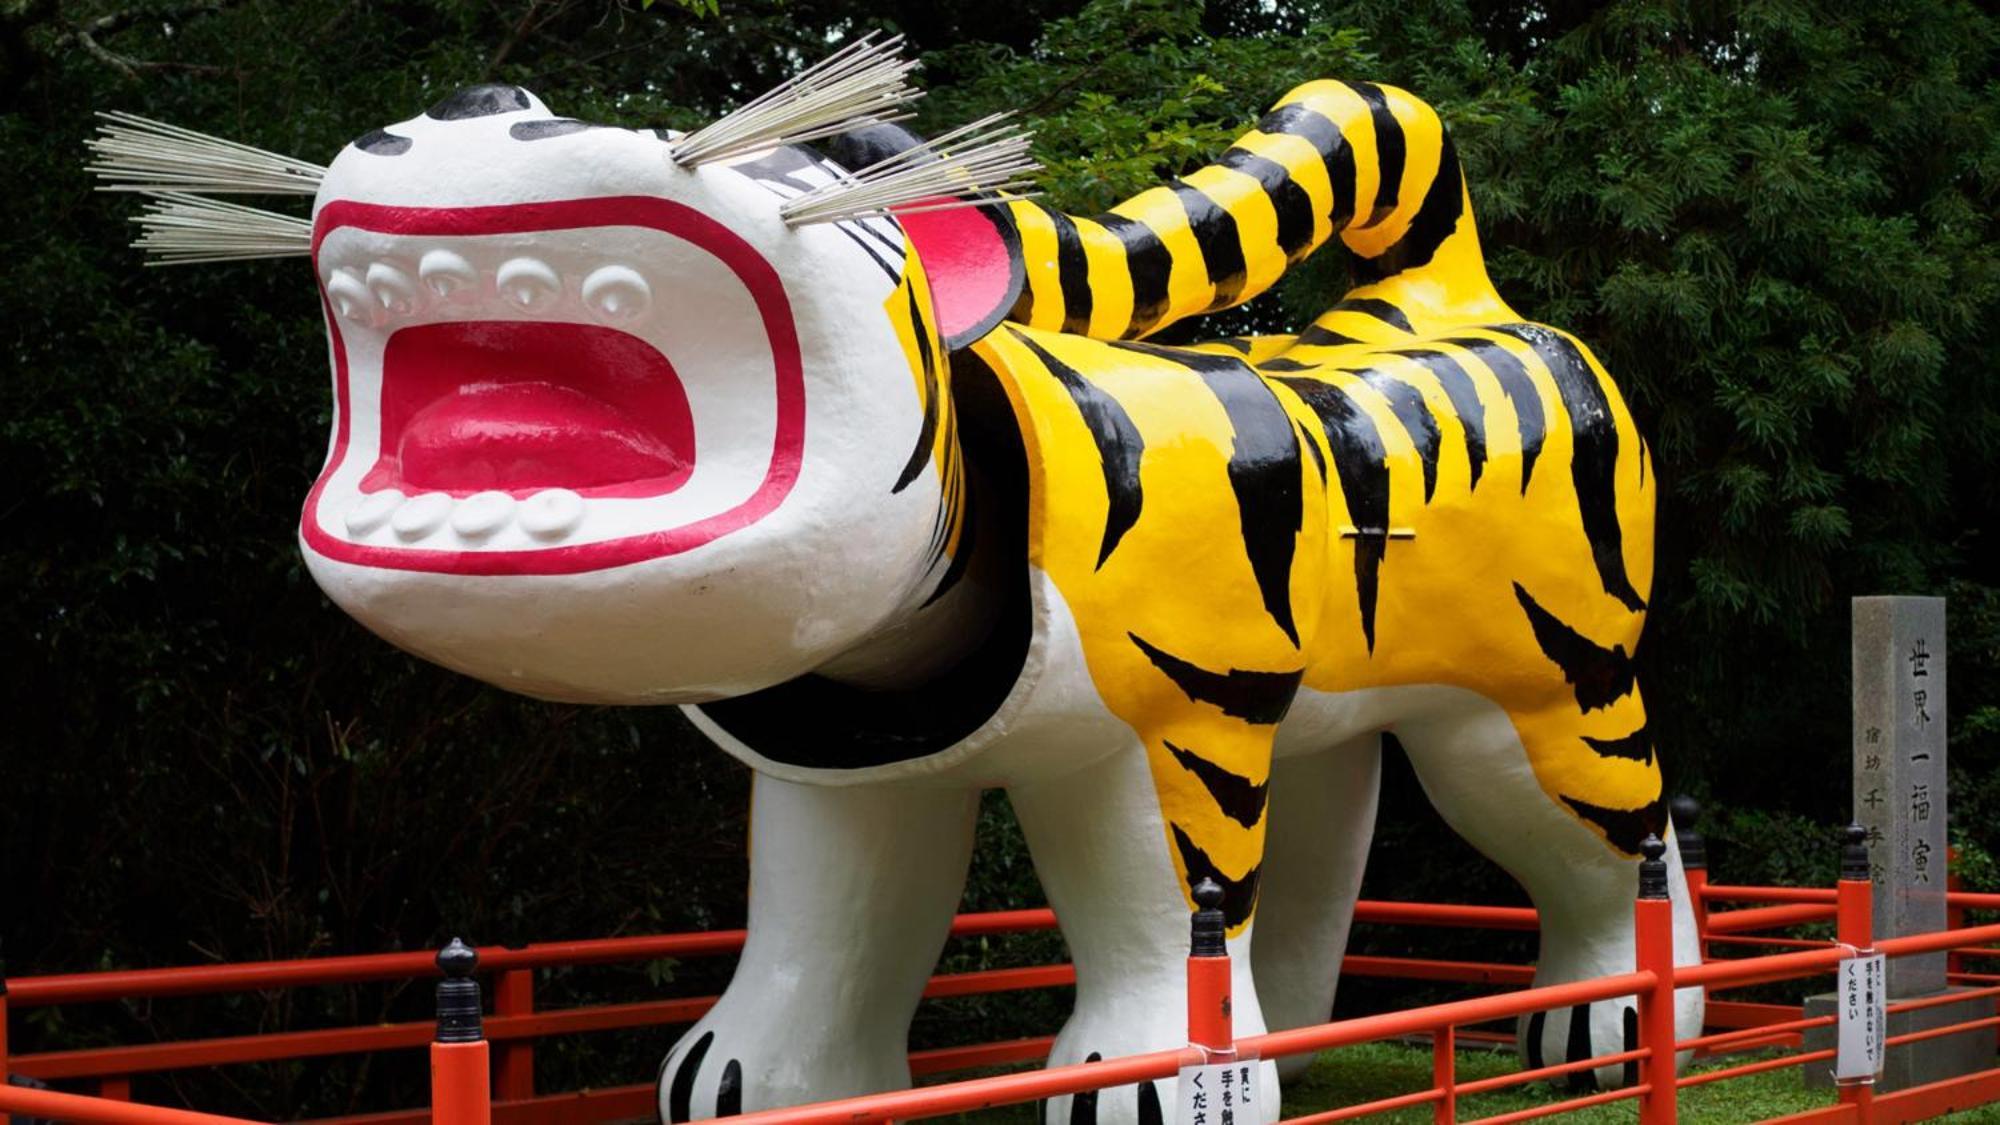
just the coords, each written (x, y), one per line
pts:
(766, 289)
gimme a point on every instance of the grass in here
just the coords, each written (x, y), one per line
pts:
(1371, 1071)
(1379, 1070)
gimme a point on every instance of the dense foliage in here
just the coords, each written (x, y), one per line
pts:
(1775, 222)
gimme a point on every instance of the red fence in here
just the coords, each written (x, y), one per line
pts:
(477, 1079)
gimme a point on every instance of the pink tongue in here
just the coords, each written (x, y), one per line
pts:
(529, 435)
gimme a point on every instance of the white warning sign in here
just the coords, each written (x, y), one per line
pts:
(1862, 1019)
(1218, 1094)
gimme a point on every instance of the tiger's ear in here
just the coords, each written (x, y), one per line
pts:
(972, 258)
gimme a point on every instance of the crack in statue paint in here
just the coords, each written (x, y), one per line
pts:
(899, 507)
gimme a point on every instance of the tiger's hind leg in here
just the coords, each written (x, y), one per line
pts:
(1322, 819)
(1100, 845)
(1576, 858)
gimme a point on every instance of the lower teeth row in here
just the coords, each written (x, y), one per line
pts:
(549, 514)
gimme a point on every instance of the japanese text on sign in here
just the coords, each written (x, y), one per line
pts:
(1217, 1094)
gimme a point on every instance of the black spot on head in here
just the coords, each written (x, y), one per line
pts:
(483, 100)
(381, 142)
(869, 144)
(552, 127)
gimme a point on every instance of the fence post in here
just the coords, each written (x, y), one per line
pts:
(460, 1092)
(514, 1059)
(1954, 916)
(1210, 1026)
(1694, 863)
(1854, 925)
(1654, 919)
(1444, 1075)
(5, 1119)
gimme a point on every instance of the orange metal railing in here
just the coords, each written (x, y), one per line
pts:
(469, 1077)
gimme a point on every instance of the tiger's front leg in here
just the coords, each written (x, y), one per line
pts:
(852, 891)
(1103, 849)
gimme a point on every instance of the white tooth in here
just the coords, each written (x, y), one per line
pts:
(392, 288)
(481, 514)
(350, 297)
(421, 515)
(528, 282)
(448, 275)
(373, 510)
(552, 513)
(617, 293)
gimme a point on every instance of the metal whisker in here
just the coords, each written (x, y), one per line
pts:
(861, 83)
(136, 153)
(989, 156)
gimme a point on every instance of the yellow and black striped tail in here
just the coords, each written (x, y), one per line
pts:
(1371, 163)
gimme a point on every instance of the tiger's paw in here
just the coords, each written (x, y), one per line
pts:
(730, 1063)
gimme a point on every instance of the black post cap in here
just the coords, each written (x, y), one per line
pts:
(1653, 868)
(458, 1000)
(1206, 932)
(1694, 849)
(1854, 854)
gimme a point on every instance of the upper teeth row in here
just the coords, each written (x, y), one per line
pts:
(549, 514)
(385, 290)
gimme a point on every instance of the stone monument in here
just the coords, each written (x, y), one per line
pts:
(1899, 797)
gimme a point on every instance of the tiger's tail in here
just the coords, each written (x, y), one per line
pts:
(1371, 163)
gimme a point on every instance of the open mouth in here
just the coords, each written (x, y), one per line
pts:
(519, 407)
(549, 387)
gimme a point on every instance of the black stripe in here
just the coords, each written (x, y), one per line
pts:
(1637, 746)
(1319, 336)
(1290, 201)
(729, 1095)
(1239, 800)
(1379, 309)
(1578, 1049)
(1119, 446)
(895, 275)
(1238, 344)
(1254, 697)
(1083, 1103)
(1319, 459)
(1149, 1105)
(381, 142)
(1263, 471)
(933, 401)
(680, 1096)
(1317, 129)
(1465, 403)
(1631, 1075)
(1390, 151)
(1239, 896)
(1073, 272)
(961, 558)
(1520, 392)
(1362, 464)
(1537, 1024)
(1215, 234)
(1148, 263)
(1408, 405)
(1594, 462)
(1436, 218)
(1601, 676)
(1286, 363)
(1624, 828)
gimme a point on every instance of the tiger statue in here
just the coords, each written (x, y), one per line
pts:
(904, 506)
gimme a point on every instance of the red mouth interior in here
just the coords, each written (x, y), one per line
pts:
(519, 407)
